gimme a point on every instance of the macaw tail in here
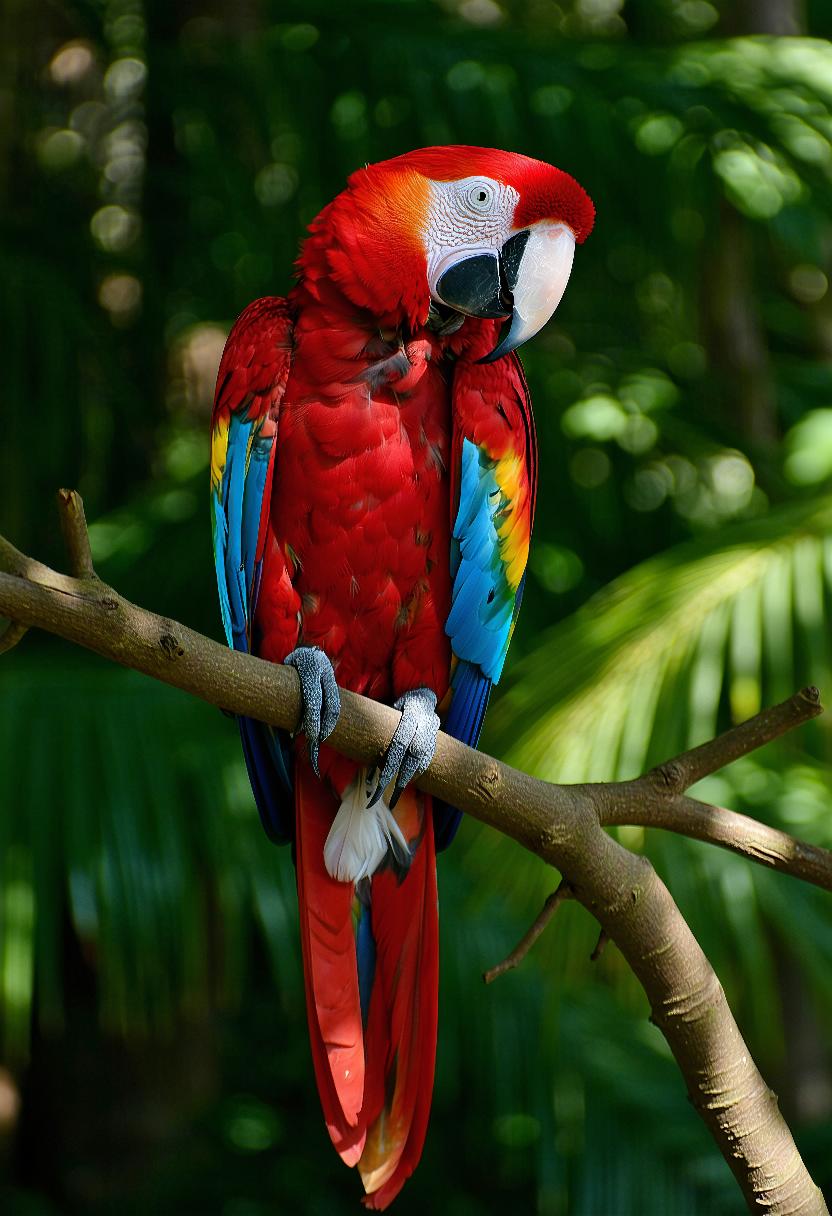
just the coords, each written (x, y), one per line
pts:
(401, 1010)
(332, 1002)
(372, 992)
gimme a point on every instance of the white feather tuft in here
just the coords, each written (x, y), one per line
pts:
(361, 835)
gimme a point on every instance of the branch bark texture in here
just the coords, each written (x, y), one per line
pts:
(564, 825)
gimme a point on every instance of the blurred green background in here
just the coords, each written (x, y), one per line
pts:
(158, 165)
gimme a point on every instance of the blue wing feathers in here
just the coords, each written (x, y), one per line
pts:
(479, 623)
(485, 598)
(237, 515)
(220, 534)
(238, 506)
(255, 486)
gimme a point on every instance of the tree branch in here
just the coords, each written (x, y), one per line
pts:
(76, 536)
(550, 907)
(684, 771)
(561, 824)
(740, 834)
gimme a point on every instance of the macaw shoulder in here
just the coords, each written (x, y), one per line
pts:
(493, 412)
(255, 363)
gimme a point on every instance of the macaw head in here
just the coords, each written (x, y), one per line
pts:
(463, 231)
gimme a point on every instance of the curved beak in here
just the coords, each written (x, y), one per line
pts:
(474, 286)
(536, 272)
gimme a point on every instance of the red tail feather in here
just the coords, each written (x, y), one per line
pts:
(332, 1002)
(401, 1029)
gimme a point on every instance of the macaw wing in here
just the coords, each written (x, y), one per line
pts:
(250, 385)
(494, 483)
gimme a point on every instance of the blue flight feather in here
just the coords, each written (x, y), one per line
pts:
(269, 769)
(482, 606)
(471, 690)
(234, 483)
(237, 514)
(365, 950)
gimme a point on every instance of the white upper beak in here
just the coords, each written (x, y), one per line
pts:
(543, 274)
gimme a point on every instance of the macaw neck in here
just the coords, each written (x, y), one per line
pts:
(372, 252)
(355, 338)
(363, 269)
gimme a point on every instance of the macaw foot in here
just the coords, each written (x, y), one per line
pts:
(319, 697)
(412, 746)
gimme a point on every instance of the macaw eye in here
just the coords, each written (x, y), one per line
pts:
(480, 196)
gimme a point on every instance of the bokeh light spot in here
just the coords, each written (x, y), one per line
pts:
(71, 63)
(115, 228)
(467, 74)
(597, 417)
(517, 1130)
(124, 78)
(275, 184)
(349, 114)
(559, 569)
(808, 284)
(590, 467)
(809, 449)
(551, 100)
(121, 296)
(300, 37)
(251, 1126)
(481, 12)
(658, 133)
(59, 150)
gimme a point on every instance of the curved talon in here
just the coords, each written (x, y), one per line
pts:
(413, 744)
(320, 699)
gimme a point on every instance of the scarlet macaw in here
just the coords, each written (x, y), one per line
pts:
(373, 478)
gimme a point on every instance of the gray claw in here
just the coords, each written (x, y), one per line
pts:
(320, 700)
(412, 746)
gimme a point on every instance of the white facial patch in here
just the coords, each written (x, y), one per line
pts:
(466, 217)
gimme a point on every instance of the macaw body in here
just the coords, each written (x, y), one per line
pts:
(373, 495)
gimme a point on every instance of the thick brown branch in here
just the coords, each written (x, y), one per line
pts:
(561, 824)
(529, 938)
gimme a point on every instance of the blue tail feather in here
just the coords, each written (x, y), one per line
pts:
(269, 764)
(471, 690)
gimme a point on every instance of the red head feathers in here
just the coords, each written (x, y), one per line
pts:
(478, 230)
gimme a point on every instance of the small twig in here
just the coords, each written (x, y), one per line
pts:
(76, 536)
(683, 771)
(603, 938)
(12, 635)
(525, 944)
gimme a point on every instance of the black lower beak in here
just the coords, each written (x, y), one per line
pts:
(511, 255)
(482, 285)
(475, 286)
